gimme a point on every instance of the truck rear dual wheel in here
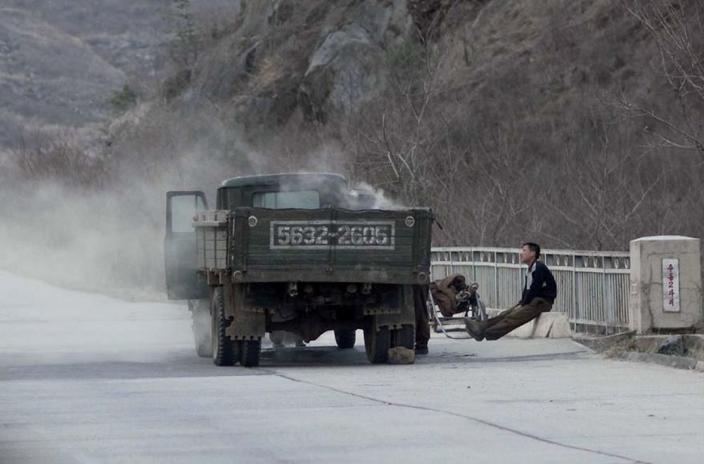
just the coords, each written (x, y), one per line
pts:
(200, 314)
(405, 337)
(250, 351)
(377, 343)
(345, 338)
(225, 351)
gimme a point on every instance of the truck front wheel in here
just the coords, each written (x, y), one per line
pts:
(377, 343)
(200, 314)
(225, 350)
(345, 338)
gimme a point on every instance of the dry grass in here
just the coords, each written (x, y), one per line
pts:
(61, 158)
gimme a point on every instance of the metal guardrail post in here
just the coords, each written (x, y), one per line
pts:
(496, 280)
(474, 267)
(603, 295)
(575, 301)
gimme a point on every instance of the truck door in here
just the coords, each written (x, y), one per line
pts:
(182, 280)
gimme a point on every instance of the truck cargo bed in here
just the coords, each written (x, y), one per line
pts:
(330, 245)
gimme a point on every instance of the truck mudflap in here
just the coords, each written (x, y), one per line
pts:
(404, 315)
(331, 245)
(248, 322)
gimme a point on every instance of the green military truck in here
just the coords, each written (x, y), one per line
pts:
(301, 253)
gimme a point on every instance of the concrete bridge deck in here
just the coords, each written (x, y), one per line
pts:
(89, 379)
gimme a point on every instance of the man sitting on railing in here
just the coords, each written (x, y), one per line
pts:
(539, 292)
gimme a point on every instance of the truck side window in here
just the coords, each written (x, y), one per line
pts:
(200, 205)
(183, 208)
(304, 199)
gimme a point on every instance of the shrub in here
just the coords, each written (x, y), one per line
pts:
(124, 99)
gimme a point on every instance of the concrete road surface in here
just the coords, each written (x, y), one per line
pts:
(89, 379)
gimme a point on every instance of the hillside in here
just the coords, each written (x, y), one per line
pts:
(469, 106)
(62, 61)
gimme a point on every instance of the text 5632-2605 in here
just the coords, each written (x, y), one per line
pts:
(353, 235)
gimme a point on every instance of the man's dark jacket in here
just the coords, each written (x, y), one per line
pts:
(542, 285)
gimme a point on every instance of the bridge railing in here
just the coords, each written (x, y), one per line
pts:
(592, 287)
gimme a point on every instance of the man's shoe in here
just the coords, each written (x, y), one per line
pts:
(474, 328)
(421, 350)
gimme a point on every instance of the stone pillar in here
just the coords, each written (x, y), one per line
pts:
(666, 283)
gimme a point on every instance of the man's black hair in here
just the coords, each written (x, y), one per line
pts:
(533, 247)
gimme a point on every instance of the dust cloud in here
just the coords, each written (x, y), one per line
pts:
(109, 238)
(380, 200)
(107, 241)
(106, 238)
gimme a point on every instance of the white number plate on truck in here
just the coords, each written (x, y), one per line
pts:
(311, 235)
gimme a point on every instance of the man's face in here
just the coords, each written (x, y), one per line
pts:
(526, 255)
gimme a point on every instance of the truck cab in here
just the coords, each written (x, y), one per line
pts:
(281, 191)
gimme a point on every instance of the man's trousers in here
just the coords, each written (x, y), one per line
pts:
(498, 326)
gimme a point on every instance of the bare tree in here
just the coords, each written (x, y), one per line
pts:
(676, 28)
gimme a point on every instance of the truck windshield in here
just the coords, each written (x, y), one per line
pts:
(305, 199)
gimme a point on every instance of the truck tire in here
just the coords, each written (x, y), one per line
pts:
(202, 336)
(249, 355)
(345, 338)
(377, 344)
(405, 337)
(224, 350)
